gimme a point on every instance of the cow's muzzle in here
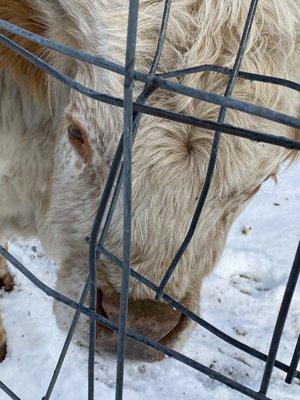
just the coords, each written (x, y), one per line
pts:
(153, 319)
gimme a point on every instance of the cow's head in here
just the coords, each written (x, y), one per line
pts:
(169, 159)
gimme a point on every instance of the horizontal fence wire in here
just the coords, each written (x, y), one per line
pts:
(173, 116)
(162, 83)
(120, 175)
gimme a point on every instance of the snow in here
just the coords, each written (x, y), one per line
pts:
(242, 297)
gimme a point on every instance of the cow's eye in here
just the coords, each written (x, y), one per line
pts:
(79, 140)
(76, 134)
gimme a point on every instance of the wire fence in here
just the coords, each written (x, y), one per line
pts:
(120, 176)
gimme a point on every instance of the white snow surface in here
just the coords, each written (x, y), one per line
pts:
(241, 297)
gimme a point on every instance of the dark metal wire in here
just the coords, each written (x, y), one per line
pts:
(121, 172)
(111, 66)
(285, 305)
(148, 89)
(67, 343)
(172, 116)
(294, 363)
(92, 256)
(228, 71)
(6, 390)
(127, 189)
(162, 83)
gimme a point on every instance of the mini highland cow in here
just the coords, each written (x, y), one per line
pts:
(57, 146)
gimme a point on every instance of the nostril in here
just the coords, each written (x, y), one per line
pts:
(100, 310)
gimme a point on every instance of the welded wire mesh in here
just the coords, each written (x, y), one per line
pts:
(120, 176)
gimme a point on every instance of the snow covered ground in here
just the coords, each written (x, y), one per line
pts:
(241, 297)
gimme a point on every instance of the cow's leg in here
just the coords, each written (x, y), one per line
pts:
(6, 279)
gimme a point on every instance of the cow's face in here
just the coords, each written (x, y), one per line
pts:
(87, 135)
(169, 167)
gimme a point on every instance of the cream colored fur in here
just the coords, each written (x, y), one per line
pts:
(49, 192)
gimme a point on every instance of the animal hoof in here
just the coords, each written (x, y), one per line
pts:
(7, 282)
(2, 352)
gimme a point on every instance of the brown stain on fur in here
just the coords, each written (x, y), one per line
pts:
(22, 14)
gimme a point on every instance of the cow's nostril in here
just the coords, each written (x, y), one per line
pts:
(150, 318)
(101, 311)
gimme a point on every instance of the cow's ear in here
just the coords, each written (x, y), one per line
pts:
(23, 14)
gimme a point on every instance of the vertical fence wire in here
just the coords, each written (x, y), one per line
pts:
(92, 261)
(283, 312)
(148, 89)
(67, 343)
(294, 363)
(127, 188)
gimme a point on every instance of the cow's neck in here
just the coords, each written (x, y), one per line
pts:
(26, 159)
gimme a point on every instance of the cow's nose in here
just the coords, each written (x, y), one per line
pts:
(149, 318)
